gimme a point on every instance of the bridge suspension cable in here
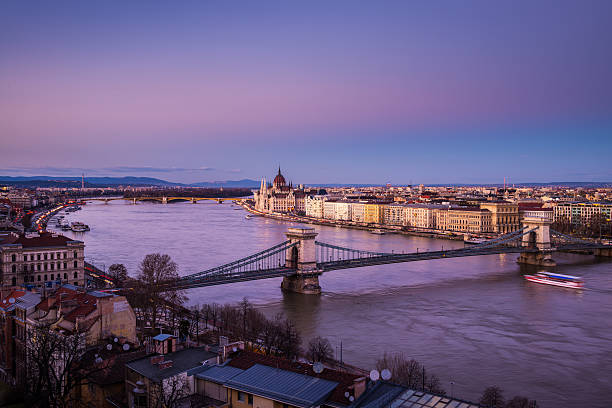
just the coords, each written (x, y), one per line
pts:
(271, 258)
(571, 239)
(329, 252)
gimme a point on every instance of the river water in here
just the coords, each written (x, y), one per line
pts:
(474, 321)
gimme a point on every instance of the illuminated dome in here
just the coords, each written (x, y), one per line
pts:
(279, 180)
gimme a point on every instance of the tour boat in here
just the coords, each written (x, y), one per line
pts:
(473, 240)
(248, 217)
(378, 232)
(556, 279)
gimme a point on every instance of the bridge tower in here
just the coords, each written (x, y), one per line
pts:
(302, 257)
(538, 239)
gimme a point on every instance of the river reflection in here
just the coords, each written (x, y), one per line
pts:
(473, 321)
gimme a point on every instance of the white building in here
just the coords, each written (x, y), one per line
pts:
(313, 205)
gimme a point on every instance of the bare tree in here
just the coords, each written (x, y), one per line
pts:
(170, 392)
(54, 368)
(492, 397)
(409, 373)
(320, 349)
(157, 274)
(118, 273)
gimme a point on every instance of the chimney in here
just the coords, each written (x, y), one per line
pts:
(157, 359)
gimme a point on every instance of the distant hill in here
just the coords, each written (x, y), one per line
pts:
(247, 183)
(89, 181)
(50, 181)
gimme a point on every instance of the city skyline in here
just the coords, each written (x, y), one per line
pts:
(340, 93)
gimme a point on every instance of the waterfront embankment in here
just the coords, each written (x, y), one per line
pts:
(377, 228)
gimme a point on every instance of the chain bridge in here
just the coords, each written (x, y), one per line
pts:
(301, 259)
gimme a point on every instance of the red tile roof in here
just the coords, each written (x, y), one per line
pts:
(44, 240)
(86, 303)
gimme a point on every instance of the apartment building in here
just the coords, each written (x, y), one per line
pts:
(581, 213)
(313, 205)
(374, 213)
(358, 211)
(469, 220)
(504, 216)
(41, 260)
(337, 210)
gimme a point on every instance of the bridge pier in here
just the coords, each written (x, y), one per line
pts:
(303, 258)
(164, 200)
(538, 239)
(603, 252)
(193, 200)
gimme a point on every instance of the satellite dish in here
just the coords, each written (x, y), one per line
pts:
(234, 349)
(347, 394)
(352, 398)
(317, 367)
(126, 347)
(11, 300)
(116, 340)
(109, 347)
(385, 374)
(98, 360)
(374, 375)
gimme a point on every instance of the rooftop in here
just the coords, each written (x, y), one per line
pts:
(46, 239)
(182, 361)
(284, 386)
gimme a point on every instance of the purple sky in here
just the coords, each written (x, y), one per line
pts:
(407, 91)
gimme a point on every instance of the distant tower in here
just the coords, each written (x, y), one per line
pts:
(82, 181)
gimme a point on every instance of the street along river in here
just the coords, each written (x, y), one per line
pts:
(473, 321)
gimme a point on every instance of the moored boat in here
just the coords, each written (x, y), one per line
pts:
(556, 279)
(79, 227)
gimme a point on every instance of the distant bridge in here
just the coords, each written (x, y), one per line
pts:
(300, 259)
(165, 200)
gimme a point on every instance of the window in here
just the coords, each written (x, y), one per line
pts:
(65, 255)
(14, 281)
(46, 267)
(45, 278)
(76, 264)
(65, 276)
(65, 265)
(75, 255)
(38, 257)
(52, 266)
(250, 399)
(45, 257)
(241, 396)
(14, 268)
(52, 254)
(76, 274)
(38, 267)
(38, 278)
(31, 257)
(13, 258)
(52, 276)
(25, 258)
(32, 268)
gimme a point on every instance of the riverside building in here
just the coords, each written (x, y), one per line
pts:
(582, 213)
(40, 260)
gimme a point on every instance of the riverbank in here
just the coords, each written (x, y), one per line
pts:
(377, 229)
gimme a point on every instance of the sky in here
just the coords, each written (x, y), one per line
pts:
(333, 92)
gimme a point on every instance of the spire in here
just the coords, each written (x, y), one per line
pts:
(279, 172)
